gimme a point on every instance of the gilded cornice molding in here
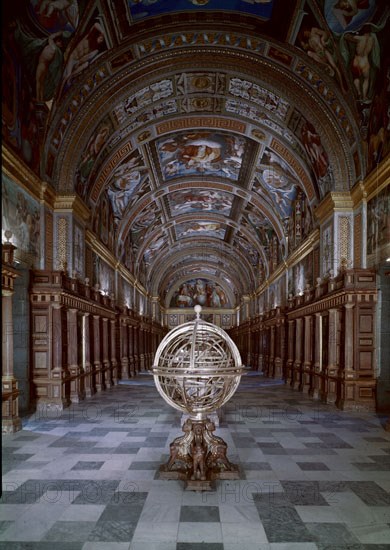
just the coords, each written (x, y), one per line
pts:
(108, 257)
(22, 175)
(74, 204)
(335, 201)
(98, 247)
(303, 250)
(358, 193)
(378, 179)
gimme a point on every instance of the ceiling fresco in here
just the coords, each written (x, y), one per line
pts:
(140, 9)
(194, 130)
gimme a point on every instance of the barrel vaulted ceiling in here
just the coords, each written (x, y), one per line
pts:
(198, 128)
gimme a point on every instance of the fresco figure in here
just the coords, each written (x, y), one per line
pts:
(69, 8)
(365, 61)
(318, 45)
(89, 47)
(92, 150)
(346, 10)
(312, 143)
(44, 57)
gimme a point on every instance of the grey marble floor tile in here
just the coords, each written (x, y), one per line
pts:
(86, 465)
(203, 514)
(312, 476)
(112, 531)
(71, 531)
(331, 533)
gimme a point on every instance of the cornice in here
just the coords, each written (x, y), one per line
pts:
(74, 204)
(378, 179)
(21, 174)
(334, 201)
(358, 193)
(100, 249)
(303, 250)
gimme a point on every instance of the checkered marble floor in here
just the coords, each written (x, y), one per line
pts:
(312, 477)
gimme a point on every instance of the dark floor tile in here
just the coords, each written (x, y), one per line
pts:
(130, 448)
(374, 467)
(72, 443)
(335, 533)
(112, 531)
(278, 451)
(128, 513)
(356, 546)
(370, 493)
(145, 465)
(304, 493)
(129, 497)
(199, 546)
(256, 466)
(203, 514)
(92, 451)
(96, 492)
(41, 545)
(4, 525)
(286, 526)
(154, 442)
(71, 531)
(312, 466)
(87, 465)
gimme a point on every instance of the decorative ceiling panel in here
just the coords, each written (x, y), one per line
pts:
(200, 153)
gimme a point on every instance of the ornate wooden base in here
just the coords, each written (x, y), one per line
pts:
(198, 457)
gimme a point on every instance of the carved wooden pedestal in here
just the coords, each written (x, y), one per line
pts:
(198, 457)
